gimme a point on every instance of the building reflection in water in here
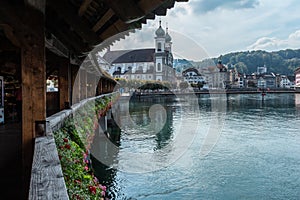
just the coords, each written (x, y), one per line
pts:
(145, 115)
(297, 100)
(104, 153)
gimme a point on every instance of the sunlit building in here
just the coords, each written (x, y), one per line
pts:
(144, 64)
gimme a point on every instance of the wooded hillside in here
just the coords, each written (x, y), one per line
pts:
(282, 62)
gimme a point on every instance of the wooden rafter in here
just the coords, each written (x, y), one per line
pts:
(148, 6)
(103, 20)
(84, 6)
(118, 27)
(70, 39)
(127, 10)
(71, 17)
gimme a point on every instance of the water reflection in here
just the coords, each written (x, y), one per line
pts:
(255, 133)
(297, 99)
(242, 101)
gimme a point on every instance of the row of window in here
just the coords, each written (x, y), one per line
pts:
(138, 77)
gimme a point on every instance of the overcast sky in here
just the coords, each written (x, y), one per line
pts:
(209, 28)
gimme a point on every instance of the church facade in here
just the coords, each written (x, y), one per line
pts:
(144, 64)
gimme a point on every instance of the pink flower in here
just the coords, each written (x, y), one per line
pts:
(84, 156)
(103, 187)
(103, 193)
(95, 180)
(86, 168)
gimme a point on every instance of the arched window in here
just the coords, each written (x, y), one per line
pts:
(159, 46)
(158, 67)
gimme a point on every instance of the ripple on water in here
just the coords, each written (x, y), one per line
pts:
(256, 157)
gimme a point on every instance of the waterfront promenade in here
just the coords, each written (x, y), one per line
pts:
(213, 91)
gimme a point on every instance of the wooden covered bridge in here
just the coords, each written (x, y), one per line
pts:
(51, 39)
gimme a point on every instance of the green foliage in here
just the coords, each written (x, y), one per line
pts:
(79, 178)
(183, 85)
(144, 84)
(282, 62)
(73, 141)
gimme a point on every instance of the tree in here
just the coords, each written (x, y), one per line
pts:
(183, 85)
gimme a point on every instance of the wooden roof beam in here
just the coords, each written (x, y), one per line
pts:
(103, 20)
(118, 27)
(84, 6)
(148, 6)
(162, 10)
(66, 12)
(126, 10)
(65, 35)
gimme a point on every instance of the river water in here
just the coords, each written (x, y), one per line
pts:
(207, 147)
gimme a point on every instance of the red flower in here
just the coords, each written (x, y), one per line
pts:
(78, 197)
(92, 189)
(67, 146)
(66, 140)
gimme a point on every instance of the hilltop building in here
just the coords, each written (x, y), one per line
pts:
(144, 64)
(262, 70)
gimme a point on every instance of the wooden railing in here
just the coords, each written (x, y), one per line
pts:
(47, 181)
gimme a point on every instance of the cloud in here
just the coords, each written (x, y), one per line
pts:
(294, 36)
(140, 39)
(273, 43)
(179, 11)
(204, 6)
(223, 26)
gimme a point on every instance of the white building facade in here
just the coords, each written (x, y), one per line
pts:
(145, 64)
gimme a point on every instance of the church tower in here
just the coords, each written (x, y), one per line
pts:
(168, 43)
(163, 56)
(168, 49)
(159, 52)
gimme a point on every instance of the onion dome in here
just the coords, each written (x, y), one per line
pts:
(160, 31)
(168, 37)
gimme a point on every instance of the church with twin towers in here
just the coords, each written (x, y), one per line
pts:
(144, 64)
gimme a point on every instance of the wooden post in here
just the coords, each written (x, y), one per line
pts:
(63, 81)
(89, 84)
(83, 90)
(105, 86)
(100, 86)
(33, 72)
(75, 84)
(94, 88)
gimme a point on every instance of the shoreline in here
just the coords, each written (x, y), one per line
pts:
(228, 91)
